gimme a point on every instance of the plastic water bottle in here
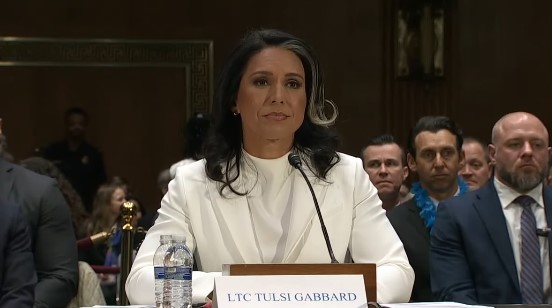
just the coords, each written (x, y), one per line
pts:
(178, 271)
(165, 242)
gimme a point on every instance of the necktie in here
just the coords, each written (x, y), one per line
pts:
(531, 267)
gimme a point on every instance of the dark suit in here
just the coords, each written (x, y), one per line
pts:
(471, 256)
(410, 227)
(17, 274)
(52, 236)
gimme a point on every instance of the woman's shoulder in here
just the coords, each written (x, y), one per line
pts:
(347, 166)
(192, 171)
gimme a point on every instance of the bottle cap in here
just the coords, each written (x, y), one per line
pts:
(165, 238)
(179, 237)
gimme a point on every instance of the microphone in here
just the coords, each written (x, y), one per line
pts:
(295, 161)
(543, 232)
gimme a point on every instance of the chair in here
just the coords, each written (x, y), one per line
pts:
(89, 292)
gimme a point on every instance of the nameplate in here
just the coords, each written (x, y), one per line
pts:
(290, 291)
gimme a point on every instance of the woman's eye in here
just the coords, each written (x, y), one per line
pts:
(260, 82)
(294, 84)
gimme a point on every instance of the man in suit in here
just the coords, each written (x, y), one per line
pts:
(385, 162)
(477, 168)
(17, 274)
(434, 153)
(52, 237)
(492, 244)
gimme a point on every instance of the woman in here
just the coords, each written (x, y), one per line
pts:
(244, 203)
(78, 213)
(105, 216)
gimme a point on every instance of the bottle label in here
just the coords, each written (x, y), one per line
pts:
(179, 272)
(159, 272)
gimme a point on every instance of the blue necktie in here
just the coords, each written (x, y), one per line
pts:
(531, 267)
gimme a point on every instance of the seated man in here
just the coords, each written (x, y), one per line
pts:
(17, 275)
(477, 168)
(385, 162)
(53, 240)
(491, 246)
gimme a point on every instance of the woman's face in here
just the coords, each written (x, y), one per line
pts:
(117, 200)
(271, 98)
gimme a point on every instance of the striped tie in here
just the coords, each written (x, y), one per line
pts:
(531, 267)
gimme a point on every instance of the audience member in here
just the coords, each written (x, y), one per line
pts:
(491, 246)
(17, 271)
(270, 103)
(163, 180)
(477, 167)
(149, 218)
(385, 162)
(434, 153)
(196, 133)
(52, 238)
(105, 218)
(78, 213)
(79, 161)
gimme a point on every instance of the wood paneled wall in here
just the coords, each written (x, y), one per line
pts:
(346, 35)
(499, 60)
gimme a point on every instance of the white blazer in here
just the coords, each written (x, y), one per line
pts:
(219, 231)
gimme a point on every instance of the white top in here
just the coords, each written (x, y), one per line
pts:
(512, 213)
(270, 206)
(228, 229)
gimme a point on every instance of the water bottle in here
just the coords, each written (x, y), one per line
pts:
(178, 272)
(165, 242)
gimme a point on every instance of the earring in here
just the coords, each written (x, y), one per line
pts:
(235, 113)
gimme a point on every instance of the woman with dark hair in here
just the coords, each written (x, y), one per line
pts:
(79, 216)
(245, 203)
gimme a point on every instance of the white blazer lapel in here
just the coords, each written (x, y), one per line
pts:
(233, 217)
(303, 212)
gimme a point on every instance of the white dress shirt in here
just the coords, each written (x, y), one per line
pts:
(512, 213)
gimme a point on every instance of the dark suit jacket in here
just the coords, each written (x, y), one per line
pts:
(17, 274)
(410, 227)
(471, 256)
(52, 236)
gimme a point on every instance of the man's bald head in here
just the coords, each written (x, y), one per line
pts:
(512, 119)
(520, 150)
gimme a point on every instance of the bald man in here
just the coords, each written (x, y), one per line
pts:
(478, 239)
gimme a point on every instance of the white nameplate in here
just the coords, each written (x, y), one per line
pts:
(290, 291)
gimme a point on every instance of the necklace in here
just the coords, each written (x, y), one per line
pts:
(426, 205)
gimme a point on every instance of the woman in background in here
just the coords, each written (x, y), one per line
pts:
(79, 216)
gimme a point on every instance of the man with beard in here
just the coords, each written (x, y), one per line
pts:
(385, 162)
(492, 244)
(434, 154)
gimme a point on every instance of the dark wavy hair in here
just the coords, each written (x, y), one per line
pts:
(314, 140)
(79, 216)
